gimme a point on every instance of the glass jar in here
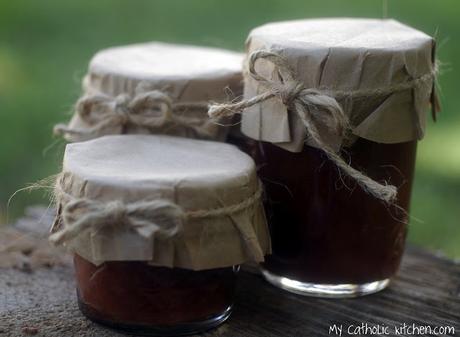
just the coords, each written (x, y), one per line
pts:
(158, 233)
(140, 298)
(329, 237)
(332, 112)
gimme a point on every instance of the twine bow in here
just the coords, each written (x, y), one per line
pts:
(160, 218)
(151, 109)
(313, 107)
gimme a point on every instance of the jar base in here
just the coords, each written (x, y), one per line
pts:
(324, 290)
(182, 329)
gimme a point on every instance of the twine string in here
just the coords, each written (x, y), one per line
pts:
(82, 214)
(159, 217)
(315, 107)
(152, 109)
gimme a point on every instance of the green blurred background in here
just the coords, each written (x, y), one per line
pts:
(45, 47)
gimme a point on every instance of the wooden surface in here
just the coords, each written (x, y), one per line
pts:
(40, 301)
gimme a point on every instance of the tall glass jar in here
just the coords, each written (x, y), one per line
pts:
(332, 112)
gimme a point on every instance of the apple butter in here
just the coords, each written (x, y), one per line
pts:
(325, 228)
(137, 297)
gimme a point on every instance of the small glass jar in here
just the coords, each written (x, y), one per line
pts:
(158, 233)
(332, 112)
(140, 298)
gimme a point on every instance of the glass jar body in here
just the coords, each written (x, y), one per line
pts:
(330, 238)
(143, 299)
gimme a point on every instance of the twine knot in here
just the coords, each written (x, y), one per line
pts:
(161, 218)
(312, 106)
(148, 108)
(121, 109)
(117, 211)
(289, 92)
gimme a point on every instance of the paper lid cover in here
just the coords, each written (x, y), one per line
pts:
(346, 55)
(196, 176)
(190, 73)
(155, 88)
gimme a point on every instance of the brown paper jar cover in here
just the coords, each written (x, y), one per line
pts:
(345, 55)
(194, 175)
(190, 76)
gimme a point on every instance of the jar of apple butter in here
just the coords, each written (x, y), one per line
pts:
(158, 233)
(333, 110)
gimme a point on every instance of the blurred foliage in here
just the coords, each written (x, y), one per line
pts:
(45, 47)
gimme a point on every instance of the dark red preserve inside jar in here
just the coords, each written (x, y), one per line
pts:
(134, 294)
(326, 229)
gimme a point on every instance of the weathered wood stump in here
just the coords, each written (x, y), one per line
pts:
(40, 300)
